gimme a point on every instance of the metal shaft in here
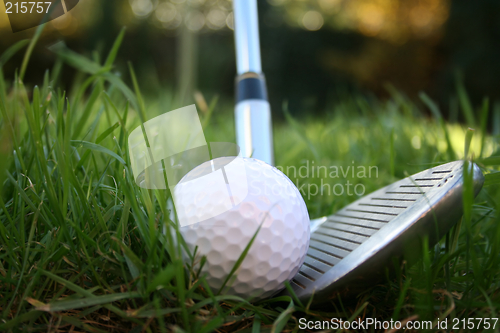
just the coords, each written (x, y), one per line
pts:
(246, 34)
(252, 111)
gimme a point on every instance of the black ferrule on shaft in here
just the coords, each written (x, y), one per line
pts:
(250, 86)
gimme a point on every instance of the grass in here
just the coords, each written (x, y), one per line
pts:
(80, 243)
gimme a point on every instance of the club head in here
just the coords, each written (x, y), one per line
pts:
(352, 248)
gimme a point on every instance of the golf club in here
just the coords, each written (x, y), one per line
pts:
(252, 111)
(357, 243)
(353, 247)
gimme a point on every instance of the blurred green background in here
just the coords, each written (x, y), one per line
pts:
(314, 51)
(357, 77)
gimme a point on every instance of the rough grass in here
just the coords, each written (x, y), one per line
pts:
(81, 247)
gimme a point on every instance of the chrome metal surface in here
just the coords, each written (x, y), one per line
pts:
(253, 116)
(254, 131)
(246, 34)
(354, 246)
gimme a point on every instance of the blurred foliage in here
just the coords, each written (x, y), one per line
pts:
(314, 51)
(395, 21)
(196, 14)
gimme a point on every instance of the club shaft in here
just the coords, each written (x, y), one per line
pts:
(246, 30)
(252, 111)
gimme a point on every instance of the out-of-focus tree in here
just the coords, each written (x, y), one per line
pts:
(73, 23)
(311, 49)
(396, 21)
(390, 40)
(94, 21)
(189, 18)
(202, 16)
(196, 15)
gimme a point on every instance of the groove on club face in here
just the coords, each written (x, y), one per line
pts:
(353, 246)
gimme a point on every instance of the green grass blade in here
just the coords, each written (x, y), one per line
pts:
(300, 131)
(76, 60)
(65, 305)
(238, 262)
(98, 148)
(492, 179)
(114, 50)
(12, 51)
(465, 103)
(80, 124)
(16, 322)
(282, 319)
(496, 119)
(163, 278)
(468, 139)
(140, 100)
(431, 105)
(484, 123)
(490, 161)
(437, 115)
(31, 46)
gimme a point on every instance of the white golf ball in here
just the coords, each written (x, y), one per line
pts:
(273, 202)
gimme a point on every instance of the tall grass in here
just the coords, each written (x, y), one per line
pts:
(82, 247)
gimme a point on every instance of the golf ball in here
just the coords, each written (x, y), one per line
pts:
(271, 202)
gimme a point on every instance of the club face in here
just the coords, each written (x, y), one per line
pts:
(352, 247)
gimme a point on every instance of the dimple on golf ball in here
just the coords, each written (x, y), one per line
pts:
(272, 202)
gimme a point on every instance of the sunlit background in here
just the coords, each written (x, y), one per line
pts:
(314, 51)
